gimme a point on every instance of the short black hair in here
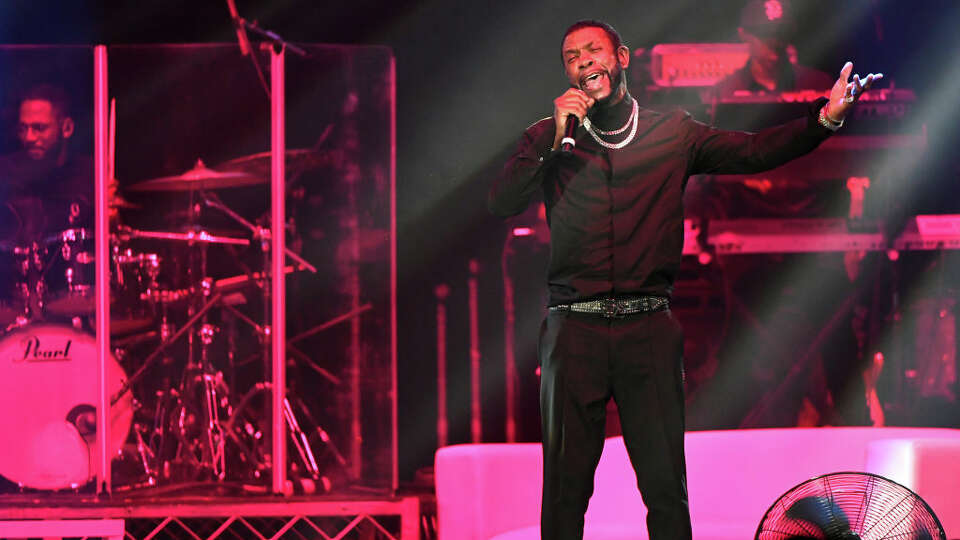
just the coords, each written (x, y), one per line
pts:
(593, 23)
(55, 95)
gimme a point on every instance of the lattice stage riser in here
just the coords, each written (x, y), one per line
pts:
(360, 527)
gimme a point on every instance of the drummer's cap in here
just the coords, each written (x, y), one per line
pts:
(768, 19)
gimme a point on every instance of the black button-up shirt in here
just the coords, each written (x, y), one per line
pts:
(616, 216)
(36, 197)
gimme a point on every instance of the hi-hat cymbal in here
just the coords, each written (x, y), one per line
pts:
(199, 177)
(260, 165)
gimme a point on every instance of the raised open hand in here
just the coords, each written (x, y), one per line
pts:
(846, 92)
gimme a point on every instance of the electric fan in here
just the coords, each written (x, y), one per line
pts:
(850, 506)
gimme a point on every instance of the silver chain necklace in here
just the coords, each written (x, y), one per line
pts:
(589, 125)
(632, 121)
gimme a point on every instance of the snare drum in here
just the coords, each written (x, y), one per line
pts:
(48, 375)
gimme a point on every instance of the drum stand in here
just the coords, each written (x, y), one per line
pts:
(187, 421)
(299, 438)
(188, 424)
(202, 390)
(297, 434)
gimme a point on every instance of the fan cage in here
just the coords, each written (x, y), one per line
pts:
(877, 509)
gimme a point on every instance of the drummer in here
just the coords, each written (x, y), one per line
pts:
(46, 186)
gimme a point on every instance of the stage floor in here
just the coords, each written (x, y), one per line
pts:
(205, 517)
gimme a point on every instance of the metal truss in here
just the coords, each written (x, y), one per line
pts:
(365, 527)
(392, 519)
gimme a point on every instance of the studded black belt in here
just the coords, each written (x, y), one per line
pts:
(616, 307)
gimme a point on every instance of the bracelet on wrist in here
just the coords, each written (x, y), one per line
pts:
(826, 114)
(824, 120)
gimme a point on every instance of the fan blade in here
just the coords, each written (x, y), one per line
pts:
(849, 535)
(823, 513)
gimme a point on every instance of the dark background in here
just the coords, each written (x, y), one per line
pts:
(470, 77)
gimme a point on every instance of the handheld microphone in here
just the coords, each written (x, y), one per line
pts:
(568, 142)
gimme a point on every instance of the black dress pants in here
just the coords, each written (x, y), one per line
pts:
(637, 360)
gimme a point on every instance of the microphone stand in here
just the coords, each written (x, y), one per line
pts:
(270, 35)
(241, 26)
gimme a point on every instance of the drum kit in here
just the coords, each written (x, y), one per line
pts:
(188, 424)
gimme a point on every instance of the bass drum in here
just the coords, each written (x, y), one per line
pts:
(48, 388)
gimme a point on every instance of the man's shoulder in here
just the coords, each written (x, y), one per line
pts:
(81, 163)
(12, 170)
(539, 135)
(540, 126)
(10, 161)
(670, 117)
(78, 175)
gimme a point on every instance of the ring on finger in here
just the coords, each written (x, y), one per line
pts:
(851, 96)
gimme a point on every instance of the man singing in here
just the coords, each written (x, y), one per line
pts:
(614, 209)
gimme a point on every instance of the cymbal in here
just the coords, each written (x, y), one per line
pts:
(192, 236)
(260, 165)
(199, 177)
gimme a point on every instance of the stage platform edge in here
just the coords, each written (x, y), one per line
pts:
(207, 518)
